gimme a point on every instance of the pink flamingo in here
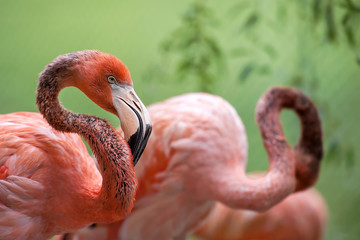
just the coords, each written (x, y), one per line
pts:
(48, 182)
(197, 155)
(301, 216)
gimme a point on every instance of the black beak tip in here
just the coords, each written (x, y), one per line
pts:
(137, 142)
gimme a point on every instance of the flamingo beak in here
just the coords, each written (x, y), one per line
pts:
(134, 118)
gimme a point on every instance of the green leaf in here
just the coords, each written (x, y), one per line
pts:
(250, 21)
(297, 81)
(246, 71)
(346, 19)
(184, 67)
(264, 69)
(349, 33)
(333, 149)
(213, 46)
(330, 22)
(316, 8)
(351, 6)
(270, 51)
(349, 156)
(350, 36)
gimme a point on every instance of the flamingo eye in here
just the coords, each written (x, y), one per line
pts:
(111, 79)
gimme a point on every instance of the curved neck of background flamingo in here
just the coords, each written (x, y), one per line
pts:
(309, 149)
(287, 168)
(111, 150)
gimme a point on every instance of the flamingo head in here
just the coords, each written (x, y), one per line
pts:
(107, 82)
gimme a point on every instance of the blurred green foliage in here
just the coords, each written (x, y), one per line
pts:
(200, 56)
(234, 49)
(324, 10)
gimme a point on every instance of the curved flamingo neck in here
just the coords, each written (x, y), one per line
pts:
(115, 164)
(111, 150)
(308, 151)
(289, 169)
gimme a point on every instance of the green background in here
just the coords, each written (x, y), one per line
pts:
(32, 33)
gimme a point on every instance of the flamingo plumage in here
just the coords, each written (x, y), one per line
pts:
(197, 156)
(49, 184)
(300, 216)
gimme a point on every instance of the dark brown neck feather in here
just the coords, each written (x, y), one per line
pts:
(309, 149)
(111, 150)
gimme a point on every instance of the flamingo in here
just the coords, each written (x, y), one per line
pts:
(49, 184)
(301, 216)
(197, 156)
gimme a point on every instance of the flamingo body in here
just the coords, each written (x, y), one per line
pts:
(185, 153)
(197, 156)
(301, 216)
(49, 184)
(42, 162)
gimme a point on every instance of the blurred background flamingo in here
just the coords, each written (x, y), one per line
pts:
(300, 216)
(197, 155)
(48, 182)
